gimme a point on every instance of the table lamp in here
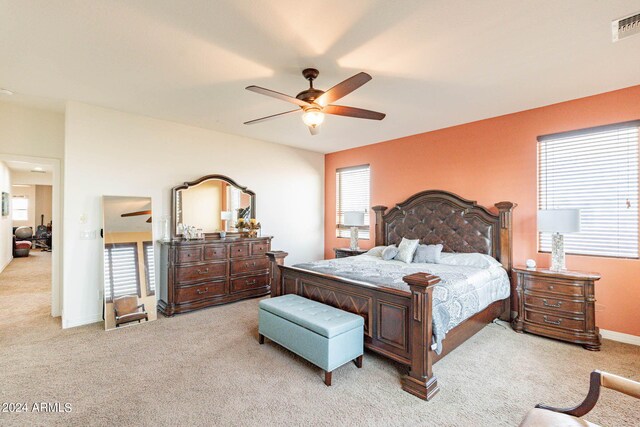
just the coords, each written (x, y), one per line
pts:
(558, 221)
(354, 219)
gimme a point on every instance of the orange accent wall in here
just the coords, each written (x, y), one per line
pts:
(494, 160)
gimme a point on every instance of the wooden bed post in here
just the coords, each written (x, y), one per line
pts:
(506, 254)
(379, 210)
(276, 259)
(420, 380)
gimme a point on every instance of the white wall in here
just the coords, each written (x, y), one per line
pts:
(34, 135)
(31, 178)
(113, 153)
(6, 230)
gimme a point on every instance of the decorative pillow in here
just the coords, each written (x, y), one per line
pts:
(377, 251)
(406, 249)
(428, 253)
(471, 260)
(389, 253)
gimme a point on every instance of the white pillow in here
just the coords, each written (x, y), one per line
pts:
(469, 260)
(377, 251)
(406, 249)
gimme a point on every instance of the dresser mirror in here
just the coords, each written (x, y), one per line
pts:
(212, 204)
(129, 274)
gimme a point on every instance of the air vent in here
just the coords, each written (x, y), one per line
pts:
(625, 27)
(37, 171)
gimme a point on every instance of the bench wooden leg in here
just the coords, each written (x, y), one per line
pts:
(358, 361)
(261, 338)
(327, 378)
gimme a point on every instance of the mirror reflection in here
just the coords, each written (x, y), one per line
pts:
(129, 273)
(212, 206)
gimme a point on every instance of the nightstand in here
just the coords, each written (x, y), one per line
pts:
(346, 252)
(557, 304)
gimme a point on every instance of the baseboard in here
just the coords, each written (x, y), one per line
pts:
(5, 266)
(72, 323)
(619, 336)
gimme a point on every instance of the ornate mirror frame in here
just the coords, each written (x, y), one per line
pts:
(186, 185)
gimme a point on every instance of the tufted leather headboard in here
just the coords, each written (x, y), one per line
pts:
(460, 225)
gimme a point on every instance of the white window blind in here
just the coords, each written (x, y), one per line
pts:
(352, 194)
(594, 170)
(149, 266)
(20, 208)
(121, 270)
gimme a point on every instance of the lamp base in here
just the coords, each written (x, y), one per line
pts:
(557, 252)
(353, 244)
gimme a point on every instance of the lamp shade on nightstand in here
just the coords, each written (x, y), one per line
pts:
(353, 218)
(559, 221)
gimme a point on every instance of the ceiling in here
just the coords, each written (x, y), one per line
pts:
(115, 206)
(434, 63)
(20, 166)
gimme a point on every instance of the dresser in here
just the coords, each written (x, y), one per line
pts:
(347, 252)
(201, 273)
(557, 304)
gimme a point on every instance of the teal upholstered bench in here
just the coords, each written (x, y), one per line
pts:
(326, 336)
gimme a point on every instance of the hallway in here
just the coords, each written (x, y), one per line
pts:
(25, 298)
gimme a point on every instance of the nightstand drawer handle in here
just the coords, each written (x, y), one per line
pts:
(551, 322)
(546, 304)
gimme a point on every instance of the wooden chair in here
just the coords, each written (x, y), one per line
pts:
(543, 415)
(127, 310)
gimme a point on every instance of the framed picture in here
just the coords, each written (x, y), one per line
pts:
(5, 204)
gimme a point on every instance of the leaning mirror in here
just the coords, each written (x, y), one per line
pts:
(211, 204)
(129, 274)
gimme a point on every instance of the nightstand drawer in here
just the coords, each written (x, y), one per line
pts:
(554, 321)
(553, 304)
(553, 287)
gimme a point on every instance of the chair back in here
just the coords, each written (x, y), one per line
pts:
(125, 305)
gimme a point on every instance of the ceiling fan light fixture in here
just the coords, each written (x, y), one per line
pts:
(313, 117)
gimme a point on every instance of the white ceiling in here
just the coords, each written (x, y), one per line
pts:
(20, 166)
(434, 63)
(115, 206)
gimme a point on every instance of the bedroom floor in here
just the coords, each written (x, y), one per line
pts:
(206, 368)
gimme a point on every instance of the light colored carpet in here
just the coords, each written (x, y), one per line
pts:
(206, 368)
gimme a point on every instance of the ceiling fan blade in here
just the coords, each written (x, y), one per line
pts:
(262, 119)
(138, 213)
(278, 95)
(343, 88)
(359, 113)
(314, 130)
(149, 221)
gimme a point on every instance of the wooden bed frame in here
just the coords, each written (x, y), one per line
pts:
(398, 323)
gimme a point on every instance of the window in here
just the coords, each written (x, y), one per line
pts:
(121, 270)
(149, 268)
(19, 208)
(594, 170)
(352, 194)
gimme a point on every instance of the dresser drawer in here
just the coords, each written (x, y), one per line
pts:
(249, 265)
(215, 252)
(247, 283)
(553, 304)
(555, 321)
(189, 254)
(201, 272)
(259, 248)
(199, 292)
(238, 251)
(553, 287)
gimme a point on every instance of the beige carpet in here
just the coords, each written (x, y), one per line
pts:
(206, 368)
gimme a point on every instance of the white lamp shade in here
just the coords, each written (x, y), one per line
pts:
(226, 215)
(559, 221)
(353, 218)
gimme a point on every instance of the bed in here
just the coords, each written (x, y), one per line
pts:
(399, 317)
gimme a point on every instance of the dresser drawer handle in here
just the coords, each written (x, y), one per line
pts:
(250, 282)
(556, 305)
(189, 255)
(550, 287)
(551, 322)
(248, 264)
(206, 270)
(200, 292)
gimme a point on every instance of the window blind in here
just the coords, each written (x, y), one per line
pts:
(352, 194)
(121, 270)
(594, 170)
(20, 208)
(149, 267)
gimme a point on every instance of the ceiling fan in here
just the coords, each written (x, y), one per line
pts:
(316, 103)
(137, 213)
